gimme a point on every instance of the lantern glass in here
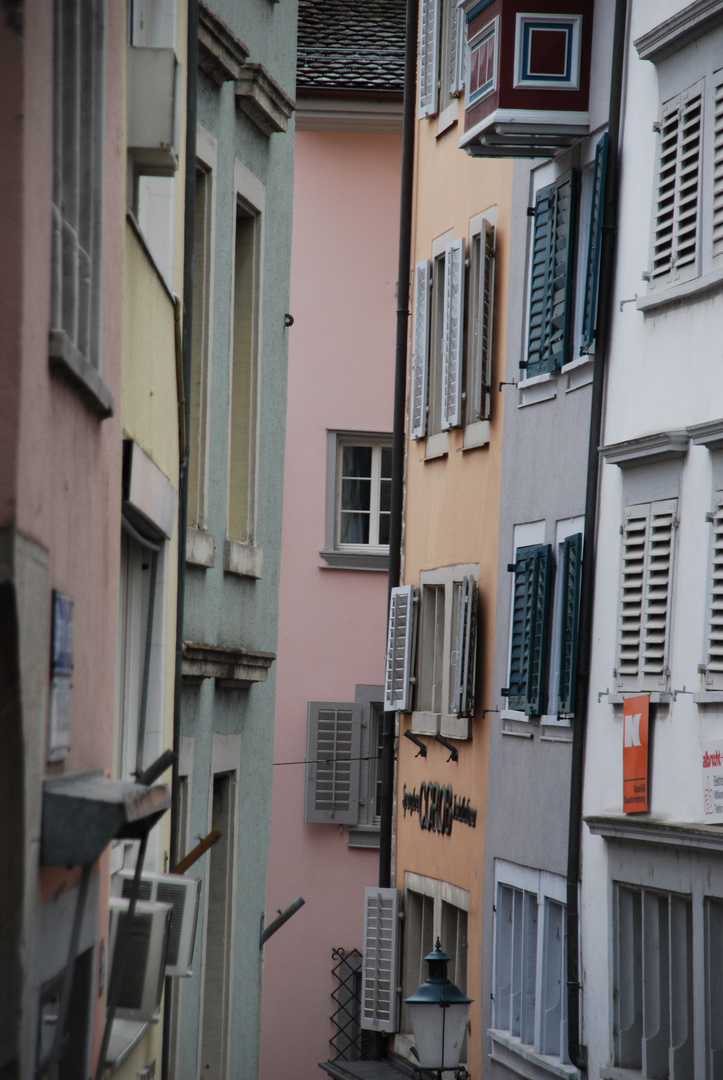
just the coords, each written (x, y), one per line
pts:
(438, 1032)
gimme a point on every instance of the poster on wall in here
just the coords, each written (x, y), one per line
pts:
(635, 753)
(712, 762)
(61, 676)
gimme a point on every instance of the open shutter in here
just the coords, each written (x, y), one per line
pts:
(658, 589)
(714, 655)
(570, 574)
(465, 648)
(428, 57)
(553, 245)
(718, 172)
(452, 334)
(420, 349)
(333, 750)
(401, 642)
(592, 270)
(483, 327)
(676, 225)
(456, 51)
(540, 281)
(380, 968)
(563, 267)
(528, 651)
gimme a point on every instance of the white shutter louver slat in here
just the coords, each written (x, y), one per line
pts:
(420, 350)
(401, 641)
(452, 334)
(718, 172)
(380, 965)
(428, 57)
(676, 227)
(333, 748)
(714, 657)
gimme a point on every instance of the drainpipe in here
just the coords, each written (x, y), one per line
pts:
(577, 1051)
(189, 218)
(400, 386)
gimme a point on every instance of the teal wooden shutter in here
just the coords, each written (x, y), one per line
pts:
(570, 573)
(528, 650)
(553, 248)
(592, 271)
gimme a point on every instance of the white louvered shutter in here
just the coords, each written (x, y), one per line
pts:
(718, 172)
(420, 349)
(714, 656)
(676, 228)
(453, 334)
(455, 71)
(428, 57)
(465, 653)
(380, 967)
(483, 326)
(401, 640)
(646, 586)
(333, 750)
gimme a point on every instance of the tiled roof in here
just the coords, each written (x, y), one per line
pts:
(351, 45)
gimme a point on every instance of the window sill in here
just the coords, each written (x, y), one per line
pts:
(354, 560)
(448, 117)
(612, 1072)
(455, 727)
(662, 697)
(425, 723)
(437, 446)
(364, 836)
(697, 289)
(537, 388)
(200, 548)
(578, 372)
(476, 434)
(124, 1037)
(67, 362)
(507, 1050)
(709, 697)
(242, 559)
(515, 722)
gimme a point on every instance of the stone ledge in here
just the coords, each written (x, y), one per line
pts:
(647, 449)
(262, 99)
(70, 364)
(232, 668)
(221, 55)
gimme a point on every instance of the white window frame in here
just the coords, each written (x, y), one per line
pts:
(427, 721)
(351, 556)
(545, 887)
(442, 61)
(491, 30)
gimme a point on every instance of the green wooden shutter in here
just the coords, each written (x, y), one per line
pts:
(570, 572)
(592, 271)
(528, 651)
(551, 288)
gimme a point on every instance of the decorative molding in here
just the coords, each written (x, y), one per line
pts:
(709, 434)
(262, 99)
(243, 559)
(349, 560)
(647, 449)
(221, 55)
(525, 133)
(637, 829)
(317, 113)
(675, 33)
(232, 668)
(70, 364)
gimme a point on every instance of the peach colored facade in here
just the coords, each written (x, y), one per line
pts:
(332, 621)
(60, 480)
(451, 519)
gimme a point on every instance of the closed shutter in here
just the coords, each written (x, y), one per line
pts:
(380, 968)
(677, 209)
(428, 57)
(645, 590)
(592, 270)
(570, 574)
(714, 657)
(456, 51)
(333, 750)
(553, 247)
(528, 650)
(483, 327)
(420, 350)
(718, 172)
(465, 653)
(401, 641)
(452, 334)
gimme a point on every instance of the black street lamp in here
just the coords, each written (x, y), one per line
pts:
(438, 1010)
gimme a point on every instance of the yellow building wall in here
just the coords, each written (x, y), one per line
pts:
(451, 517)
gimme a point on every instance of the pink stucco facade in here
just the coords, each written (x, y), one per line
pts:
(332, 621)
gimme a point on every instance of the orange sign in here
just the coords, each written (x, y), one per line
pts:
(635, 753)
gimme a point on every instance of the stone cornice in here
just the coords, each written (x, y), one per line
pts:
(635, 829)
(647, 449)
(220, 53)
(233, 668)
(262, 99)
(709, 434)
(675, 33)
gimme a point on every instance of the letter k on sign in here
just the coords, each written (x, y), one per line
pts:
(632, 729)
(635, 754)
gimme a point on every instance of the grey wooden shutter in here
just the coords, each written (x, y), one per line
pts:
(380, 967)
(420, 350)
(401, 640)
(592, 270)
(570, 574)
(455, 73)
(333, 750)
(528, 651)
(428, 57)
(551, 296)
(453, 334)
(483, 327)
(677, 211)
(465, 648)
(714, 652)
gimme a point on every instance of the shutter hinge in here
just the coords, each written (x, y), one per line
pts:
(505, 691)
(622, 530)
(530, 211)
(657, 126)
(511, 567)
(400, 915)
(646, 275)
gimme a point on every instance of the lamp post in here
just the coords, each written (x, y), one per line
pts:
(438, 1010)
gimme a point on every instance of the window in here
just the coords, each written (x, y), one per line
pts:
(653, 972)
(359, 495)
(544, 622)
(447, 651)
(433, 909)
(482, 63)
(77, 192)
(480, 297)
(529, 960)
(343, 752)
(648, 544)
(441, 56)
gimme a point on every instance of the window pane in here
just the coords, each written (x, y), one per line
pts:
(355, 494)
(356, 461)
(384, 528)
(354, 528)
(386, 462)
